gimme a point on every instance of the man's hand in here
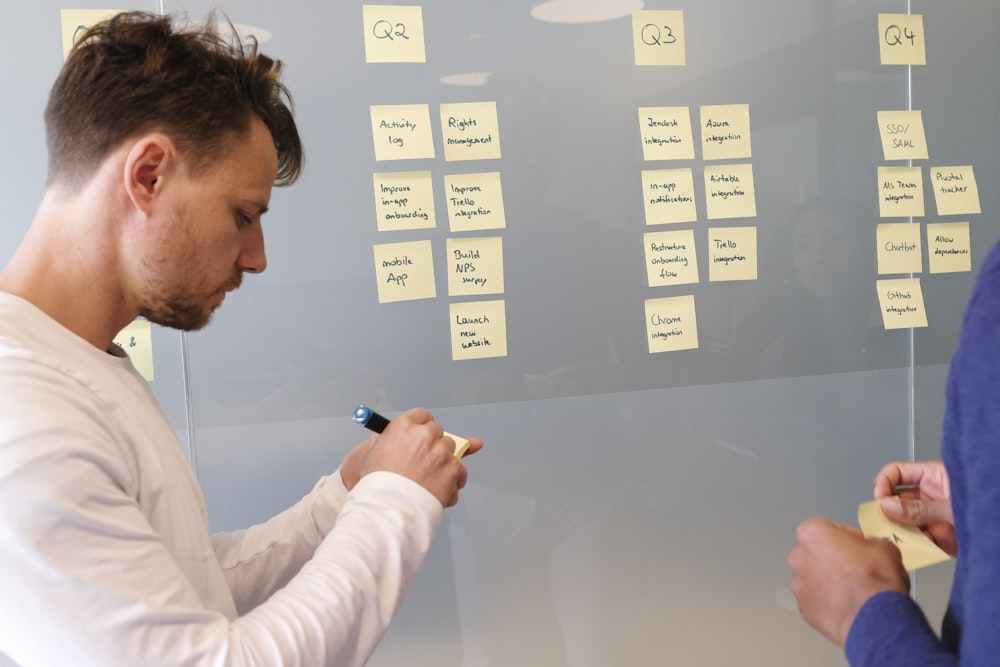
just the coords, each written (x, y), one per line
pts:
(413, 445)
(928, 507)
(835, 569)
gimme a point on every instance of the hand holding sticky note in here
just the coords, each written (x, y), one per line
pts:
(373, 421)
(916, 548)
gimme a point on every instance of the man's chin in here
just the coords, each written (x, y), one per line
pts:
(183, 318)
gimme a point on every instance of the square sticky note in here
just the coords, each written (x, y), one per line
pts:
(668, 196)
(670, 258)
(900, 192)
(948, 247)
(137, 341)
(402, 132)
(658, 37)
(666, 133)
(478, 330)
(729, 191)
(901, 39)
(404, 200)
(475, 265)
(475, 202)
(404, 271)
(899, 248)
(671, 324)
(393, 33)
(955, 190)
(902, 135)
(470, 131)
(732, 253)
(902, 303)
(725, 132)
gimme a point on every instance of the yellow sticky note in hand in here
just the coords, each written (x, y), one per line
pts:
(916, 548)
(461, 444)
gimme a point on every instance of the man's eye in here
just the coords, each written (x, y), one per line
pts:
(243, 219)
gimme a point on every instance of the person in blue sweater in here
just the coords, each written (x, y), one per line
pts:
(855, 590)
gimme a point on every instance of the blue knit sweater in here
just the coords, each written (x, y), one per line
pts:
(891, 629)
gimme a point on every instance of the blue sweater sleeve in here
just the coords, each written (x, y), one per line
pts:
(891, 630)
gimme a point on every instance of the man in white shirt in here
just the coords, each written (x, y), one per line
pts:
(164, 145)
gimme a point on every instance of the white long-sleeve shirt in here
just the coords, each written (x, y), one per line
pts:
(105, 553)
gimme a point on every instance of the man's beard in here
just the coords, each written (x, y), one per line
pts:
(186, 313)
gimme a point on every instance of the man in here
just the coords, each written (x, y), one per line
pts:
(163, 148)
(854, 590)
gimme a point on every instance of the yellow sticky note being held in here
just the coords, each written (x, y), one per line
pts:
(916, 548)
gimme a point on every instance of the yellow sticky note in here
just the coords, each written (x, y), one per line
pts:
(666, 133)
(658, 37)
(478, 330)
(729, 191)
(725, 132)
(137, 341)
(902, 303)
(402, 132)
(475, 202)
(404, 200)
(732, 253)
(76, 21)
(670, 258)
(902, 135)
(955, 190)
(900, 192)
(899, 249)
(475, 266)
(404, 271)
(671, 324)
(914, 546)
(901, 39)
(948, 247)
(461, 444)
(668, 196)
(470, 131)
(393, 34)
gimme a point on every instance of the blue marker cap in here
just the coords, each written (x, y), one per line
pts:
(370, 419)
(362, 414)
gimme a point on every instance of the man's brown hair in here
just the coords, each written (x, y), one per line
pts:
(137, 72)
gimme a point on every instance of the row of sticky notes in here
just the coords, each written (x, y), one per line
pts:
(666, 132)
(469, 131)
(669, 194)
(659, 38)
(405, 200)
(395, 34)
(671, 259)
(900, 247)
(405, 271)
(901, 191)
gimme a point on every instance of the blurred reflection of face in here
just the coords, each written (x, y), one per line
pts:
(824, 253)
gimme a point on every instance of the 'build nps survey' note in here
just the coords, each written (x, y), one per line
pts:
(916, 548)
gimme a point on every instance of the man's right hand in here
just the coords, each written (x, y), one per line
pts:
(928, 507)
(414, 445)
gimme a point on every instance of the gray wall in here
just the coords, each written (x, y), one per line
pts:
(630, 508)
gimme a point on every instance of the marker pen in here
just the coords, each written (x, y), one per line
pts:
(370, 419)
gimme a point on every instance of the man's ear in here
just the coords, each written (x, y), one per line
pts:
(150, 161)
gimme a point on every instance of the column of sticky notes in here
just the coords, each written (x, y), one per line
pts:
(404, 200)
(900, 244)
(670, 195)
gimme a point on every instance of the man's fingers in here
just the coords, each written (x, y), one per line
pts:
(917, 511)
